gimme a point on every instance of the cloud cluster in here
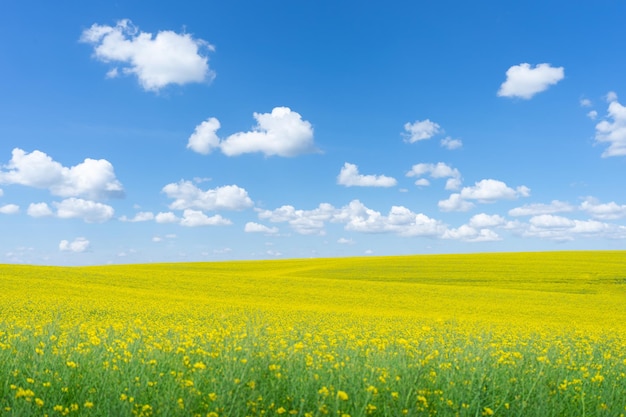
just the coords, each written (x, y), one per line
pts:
(282, 132)
(156, 60)
(438, 170)
(350, 177)
(356, 217)
(524, 82)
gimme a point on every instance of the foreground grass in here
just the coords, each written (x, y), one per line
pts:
(524, 334)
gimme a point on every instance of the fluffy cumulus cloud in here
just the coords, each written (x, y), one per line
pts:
(438, 170)
(9, 209)
(204, 138)
(282, 132)
(252, 227)
(156, 60)
(89, 211)
(536, 209)
(612, 130)
(483, 191)
(186, 195)
(80, 244)
(195, 218)
(350, 177)
(94, 179)
(603, 211)
(559, 228)
(524, 82)
(39, 210)
(420, 130)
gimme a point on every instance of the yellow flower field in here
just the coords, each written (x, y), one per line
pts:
(510, 334)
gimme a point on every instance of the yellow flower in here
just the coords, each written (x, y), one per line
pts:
(342, 395)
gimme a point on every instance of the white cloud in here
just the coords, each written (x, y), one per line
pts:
(420, 130)
(547, 226)
(422, 182)
(167, 217)
(142, 216)
(204, 138)
(305, 222)
(455, 203)
(468, 233)
(167, 58)
(39, 210)
(439, 170)
(281, 132)
(9, 209)
(80, 244)
(89, 211)
(1, 192)
(187, 195)
(92, 178)
(611, 96)
(252, 227)
(157, 239)
(345, 241)
(195, 218)
(489, 190)
(606, 211)
(613, 130)
(585, 102)
(451, 144)
(593, 115)
(349, 176)
(536, 209)
(483, 220)
(524, 82)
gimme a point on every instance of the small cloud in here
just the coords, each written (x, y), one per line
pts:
(252, 227)
(585, 102)
(167, 217)
(89, 211)
(451, 144)
(524, 82)
(195, 218)
(612, 130)
(39, 210)
(537, 209)
(369, 252)
(156, 60)
(349, 176)
(420, 130)
(592, 115)
(187, 195)
(157, 239)
(345, 241)
(142, 216)
(9, 209)
(80, 244)
(611, 96)
(274, 253)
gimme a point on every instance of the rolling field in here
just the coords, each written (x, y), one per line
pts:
(508, 334)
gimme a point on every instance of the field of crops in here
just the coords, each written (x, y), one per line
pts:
(510, 334)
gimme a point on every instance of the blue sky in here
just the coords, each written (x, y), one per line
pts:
(210, 131)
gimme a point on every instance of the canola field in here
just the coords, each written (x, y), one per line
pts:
(506, 334)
